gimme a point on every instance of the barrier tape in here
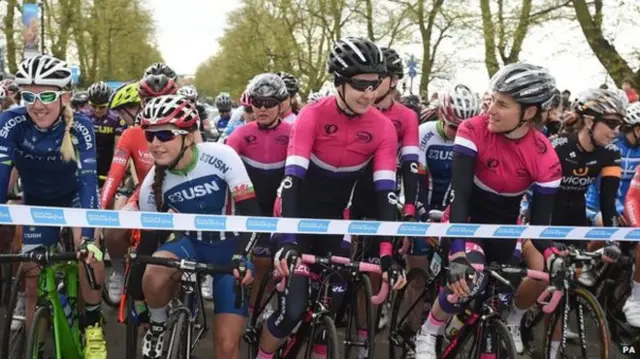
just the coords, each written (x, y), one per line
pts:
(76, 217)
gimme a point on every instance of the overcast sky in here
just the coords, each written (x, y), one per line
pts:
(187, 35)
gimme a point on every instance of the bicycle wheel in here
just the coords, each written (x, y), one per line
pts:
(132, 330)
(324, 333)
(13, 340)
(363, 294)
(39, 333)
(254, 329)
(410, 307)
(505, 348)
(584, 305)
(108, 269)
(177, 344)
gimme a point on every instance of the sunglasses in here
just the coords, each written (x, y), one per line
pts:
(612, 123)
(46, 97)
(264, 102)
(163, 135)
(364, 85)
(101, 106)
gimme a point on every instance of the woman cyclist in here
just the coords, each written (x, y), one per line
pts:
(224, 105)
(190, 92)
(503, 144)
(159, 68)
(262, 145)
(217, 171)
(289, 113)
(240, 117)
(54, 151)
(584, 155)
(80, 101)
(332, 141)
(107, 126)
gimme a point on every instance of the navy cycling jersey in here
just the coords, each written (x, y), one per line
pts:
(436, 158)
(46, 178)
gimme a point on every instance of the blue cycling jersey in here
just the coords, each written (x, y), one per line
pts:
(35, 152)
(232, 126)
(630, 156)
(436, 156)
(221, 122)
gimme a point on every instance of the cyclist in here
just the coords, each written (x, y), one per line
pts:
(158, 68)
(584, 156)
(632, 306)
(106, 124)
(191, 93)
(262, 145)
(223, 104)
(458, 104)
(428, 113)
(241, 116)
(487, 149)
(13, 91)
(293, 86)
(216, 171)
(80, 101)
(331, 143)
(54, 151)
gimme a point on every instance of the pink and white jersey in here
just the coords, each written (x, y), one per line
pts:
(405, 120)
(336, 146)
(505, 169)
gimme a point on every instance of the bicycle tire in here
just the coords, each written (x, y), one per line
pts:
(362, 282)
(7, 333)
(590, 303)
(253, 338)
(132, 330)
(500, 328)
(42, 313)
(331, 337)
(396, 337)
(108, 263)
(177, 343)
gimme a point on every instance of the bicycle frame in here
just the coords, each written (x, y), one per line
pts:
(67, 339)
(197, 316)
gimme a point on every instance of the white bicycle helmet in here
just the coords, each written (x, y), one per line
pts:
(3, 93)
(43, 70)
(317, 96)
(633, 114)
(268, 85)
(457, 104)
(189, 92)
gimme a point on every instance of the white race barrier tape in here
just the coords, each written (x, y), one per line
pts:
(74, 217)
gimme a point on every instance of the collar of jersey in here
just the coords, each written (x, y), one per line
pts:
(50, 128)
(192, 164)
(440, 130)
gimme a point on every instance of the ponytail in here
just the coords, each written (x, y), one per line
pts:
(66, 148)
(156, 187)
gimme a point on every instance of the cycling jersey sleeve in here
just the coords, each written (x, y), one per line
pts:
(7, 152)
(243, 195)
(87, 168)
(593, 201)
(143, 197)
(632, 201)
(610, 181)
(298, 153)
(118, 168)
(384, 180)
(410, 168)
(465, 152)
(423, 189)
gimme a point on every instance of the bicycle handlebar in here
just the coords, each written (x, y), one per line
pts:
(308, 259)
(193, 267)
(46, 258)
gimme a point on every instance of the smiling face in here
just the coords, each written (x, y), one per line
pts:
(44, 103)
(505, 113)
(165, 143)
(605, 130)
(361, 91)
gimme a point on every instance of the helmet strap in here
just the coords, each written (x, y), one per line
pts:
(183, 149)
(342, 97)
(276, 121)
(389, 92)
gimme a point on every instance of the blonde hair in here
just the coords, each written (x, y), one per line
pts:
(66, 148)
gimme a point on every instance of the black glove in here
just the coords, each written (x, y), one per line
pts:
(460, 269)
(287, 251)
(612, 251)
(389, 266)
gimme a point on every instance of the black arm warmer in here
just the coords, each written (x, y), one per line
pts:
(541, 209)
(410, 181)
(248, 207)
(608, 192)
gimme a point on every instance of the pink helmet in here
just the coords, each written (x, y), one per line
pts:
(245, 99)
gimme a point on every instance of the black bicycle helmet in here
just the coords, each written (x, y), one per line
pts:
(159, 68)
(79, 98)
(352, 56)
(527, 84)
(99, 93)
(394, 62)
(293, 86)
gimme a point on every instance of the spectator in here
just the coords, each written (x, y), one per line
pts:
(632, 95)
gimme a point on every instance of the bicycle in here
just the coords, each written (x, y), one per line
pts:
(575, 297)
(483, 324)
(187, 322)
(318, 321)
(57, 309)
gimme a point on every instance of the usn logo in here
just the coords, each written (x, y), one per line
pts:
(211, 223)
(5, 215)
(157, 220)
(262, 224)
(48, 216)
(196, 191)
(313, 226)
(362, 227)
(103, 219)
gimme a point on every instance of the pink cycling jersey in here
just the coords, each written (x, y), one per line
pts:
(263, 151)
(338, 146)
(505, 169)
(405, 120)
